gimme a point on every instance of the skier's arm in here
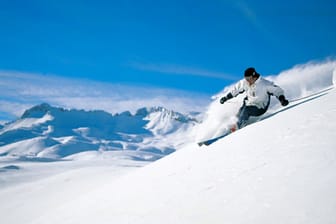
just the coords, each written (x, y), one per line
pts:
(278, 92)
(237, 89)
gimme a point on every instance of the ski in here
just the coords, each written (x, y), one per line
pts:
(210, 141)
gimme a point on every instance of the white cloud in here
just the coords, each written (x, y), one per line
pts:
(181, 70)
(247, 12)
(252, 17)
(19, 91)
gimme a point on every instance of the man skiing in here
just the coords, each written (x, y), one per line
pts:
(258, 93)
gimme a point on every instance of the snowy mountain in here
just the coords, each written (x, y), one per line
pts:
(54, 133)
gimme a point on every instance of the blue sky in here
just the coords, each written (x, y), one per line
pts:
(188, 45)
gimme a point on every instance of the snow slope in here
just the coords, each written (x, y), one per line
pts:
(280, 170)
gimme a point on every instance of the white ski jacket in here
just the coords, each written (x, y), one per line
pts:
(258, 94)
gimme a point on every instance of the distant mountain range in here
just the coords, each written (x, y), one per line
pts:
(47, 132)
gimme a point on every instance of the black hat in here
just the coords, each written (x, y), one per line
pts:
(250, 72)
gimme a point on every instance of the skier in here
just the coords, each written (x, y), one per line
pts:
(258, 94)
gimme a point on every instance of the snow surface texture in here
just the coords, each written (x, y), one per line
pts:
(279, 170)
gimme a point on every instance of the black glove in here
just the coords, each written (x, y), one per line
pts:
(226, 98)
(283, 100)
(223, 99)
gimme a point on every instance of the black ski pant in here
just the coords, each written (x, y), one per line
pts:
(246, 111)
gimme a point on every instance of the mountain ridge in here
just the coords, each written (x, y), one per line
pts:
(57, 132)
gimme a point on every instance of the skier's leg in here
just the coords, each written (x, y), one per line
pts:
(245, 112)
(242, 116)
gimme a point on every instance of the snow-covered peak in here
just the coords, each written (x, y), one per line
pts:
(144, 111)
(163, 121)
(164, 112)
(37, 111)
(93, 130)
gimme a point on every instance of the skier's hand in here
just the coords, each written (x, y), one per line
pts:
(223, 100)
(283, 100)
